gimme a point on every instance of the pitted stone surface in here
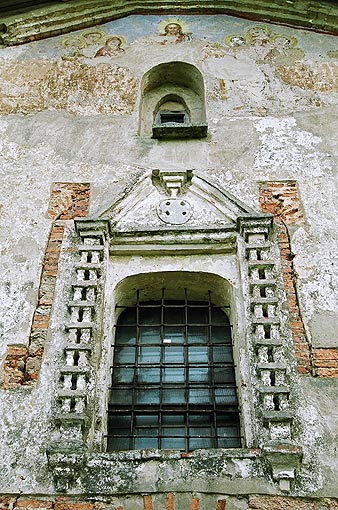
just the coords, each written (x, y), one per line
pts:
(175, 211)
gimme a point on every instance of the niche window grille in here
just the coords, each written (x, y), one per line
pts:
(167, 117)
(173, 378)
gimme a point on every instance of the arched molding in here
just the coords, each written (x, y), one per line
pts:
(40, 22)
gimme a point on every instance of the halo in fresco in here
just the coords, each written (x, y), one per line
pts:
(161, 27)
(93, 36)
(258, 35)
(72, 42)
(284, 41)
(235, 40)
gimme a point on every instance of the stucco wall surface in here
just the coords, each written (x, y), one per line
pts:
(70, 113)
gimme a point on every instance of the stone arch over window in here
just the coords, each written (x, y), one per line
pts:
(177, 90)
(173, 373)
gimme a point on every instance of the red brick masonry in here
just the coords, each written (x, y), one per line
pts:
(281, 198)
(129, 502)
(22, 362)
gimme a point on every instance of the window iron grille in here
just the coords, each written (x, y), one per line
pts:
(173, 378)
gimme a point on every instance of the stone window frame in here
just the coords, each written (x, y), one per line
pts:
(76, 455)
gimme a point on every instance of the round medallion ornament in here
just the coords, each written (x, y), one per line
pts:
(174, 211)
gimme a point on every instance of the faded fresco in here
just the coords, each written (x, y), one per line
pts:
(247, 66)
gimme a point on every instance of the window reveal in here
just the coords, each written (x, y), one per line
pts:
(173, 378)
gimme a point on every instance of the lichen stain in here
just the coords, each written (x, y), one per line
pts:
(323, 77)
(82, 89)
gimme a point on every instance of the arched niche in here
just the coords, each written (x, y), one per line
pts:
(173, 102)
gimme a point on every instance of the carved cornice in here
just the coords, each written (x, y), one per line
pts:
(26, 25)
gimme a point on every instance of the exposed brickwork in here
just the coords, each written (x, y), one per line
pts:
(194, 504)
(147, 502)
(22, 363)
(252, 502)
(69, 200)
(14, 366)
(282, 200)
(59, 505)
(325, 362)
(288, 503)
(221, 504)
(170, 501)
(33, 503)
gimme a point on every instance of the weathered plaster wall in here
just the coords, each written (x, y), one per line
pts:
(71, 116)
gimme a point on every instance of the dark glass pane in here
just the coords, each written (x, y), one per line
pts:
(226, 396)
(200, 442)
(173, 443)
(221, 334)
(146, 420)
(199, 395)
(124, 355)
(173, 354)
(118, 443)
(200, 420)
(227, 420)
(121, 422)
(200, 431)
(146, 442)
(222, 354)
(173, 419)
(125, 335)
(218, 316)
(149, 375)
(149, 335)
(173, 396)
(228, 437)
(173, 431)
(173, 335)
(149, 355)
(200, 374)
(198, 334)
(224, 375)
(147, 396)
(198, 315)
(175, 315)
(128, 316)
(150, 315)
(146, 432)
(173, 375)
(229, 442)
(121, 396)
(198, 354)
(123, 375)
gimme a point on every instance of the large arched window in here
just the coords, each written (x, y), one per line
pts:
(173, 377)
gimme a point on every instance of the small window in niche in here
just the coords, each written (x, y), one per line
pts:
(172, 120)
(172, 112)
(167, 117)
(176, 89)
